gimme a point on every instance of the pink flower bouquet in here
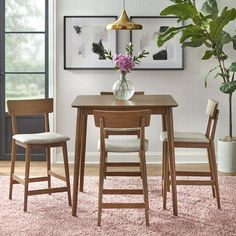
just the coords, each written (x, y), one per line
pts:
(125, 62)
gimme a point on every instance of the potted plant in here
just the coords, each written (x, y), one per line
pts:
(206, 27)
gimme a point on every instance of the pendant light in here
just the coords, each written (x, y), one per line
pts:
(124, 23)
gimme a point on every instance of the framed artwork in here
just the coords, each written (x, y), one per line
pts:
(84, 40)
(168, 57)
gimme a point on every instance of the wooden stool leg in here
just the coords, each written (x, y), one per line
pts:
(13, 160)
(106, 157)
(163, 169)
(211, 167)
(101, 183)
(165, 174)
(145, 185)
(67, 174)
(27, 168)
(48, 159)
(212, 148)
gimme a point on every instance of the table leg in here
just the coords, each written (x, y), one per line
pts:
(77, 160)
(163, 120)
(82, 152)
(170, 133)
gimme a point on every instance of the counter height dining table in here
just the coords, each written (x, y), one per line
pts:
(86, 104)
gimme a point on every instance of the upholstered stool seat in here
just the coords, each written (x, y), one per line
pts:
(186, 137)
(123, 145)
(40, 138)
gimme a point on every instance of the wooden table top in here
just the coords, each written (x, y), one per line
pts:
(136, 101)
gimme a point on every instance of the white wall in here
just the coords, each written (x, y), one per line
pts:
(187, 86)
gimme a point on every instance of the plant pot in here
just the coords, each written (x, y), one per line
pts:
(227, 156)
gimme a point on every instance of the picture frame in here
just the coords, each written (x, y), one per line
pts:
(168, 57)
(84, 37)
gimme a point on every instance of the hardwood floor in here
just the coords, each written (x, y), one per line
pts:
(39, 168)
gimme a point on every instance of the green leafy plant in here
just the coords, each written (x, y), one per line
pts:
(205, 27)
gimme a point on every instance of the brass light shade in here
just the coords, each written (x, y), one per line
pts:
(124, 23)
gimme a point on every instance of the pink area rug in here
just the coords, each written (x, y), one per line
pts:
(51, 215)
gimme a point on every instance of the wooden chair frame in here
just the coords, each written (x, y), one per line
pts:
(109, 132)
(210, 135)
(127, 119)
(32, 107)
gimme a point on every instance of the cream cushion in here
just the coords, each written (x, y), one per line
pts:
(123, 145)
(186, 137)
(40, 138)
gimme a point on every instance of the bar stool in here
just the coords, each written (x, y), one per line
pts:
(195, 140)
(46, 139)
(136, 120)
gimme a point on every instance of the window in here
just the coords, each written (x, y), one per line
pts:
(26, 49)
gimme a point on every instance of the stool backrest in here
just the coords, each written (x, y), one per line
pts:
(29, 107)
(213, 113)
(122, 119)
(122, 132)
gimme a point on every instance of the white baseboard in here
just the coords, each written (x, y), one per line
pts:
(151, 157)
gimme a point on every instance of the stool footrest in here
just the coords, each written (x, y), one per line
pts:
(122, 191)
(114, 173)
(120, 164)
(192, 173)
(195, 182)
(46, 191)
(122, 205)
(18, 179)
(38, 179)
(57, 175)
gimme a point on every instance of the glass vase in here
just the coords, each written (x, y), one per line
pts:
(123, 88)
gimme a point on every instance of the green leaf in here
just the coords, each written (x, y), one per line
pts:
(178, 1)
(206, 77)
(225, 37)
(228, 87)
(232, 67)
(208, 54)
(192, 31)
(234, 42)
(184, 11)
(217, 25)
(168, 34)
(194, 43)
(210, 8)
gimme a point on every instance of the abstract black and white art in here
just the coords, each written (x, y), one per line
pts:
(85, 37)
(168, 57)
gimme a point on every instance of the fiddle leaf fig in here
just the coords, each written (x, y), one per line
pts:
(210, 8)
(184, 10)
(208, 54)
(168, 34)
(234, 42)
(195, 42)
(232, 67)
(178, 1)
(228, 87)
(206, 28)
(207, 76)
(217, 25)
(191, 31)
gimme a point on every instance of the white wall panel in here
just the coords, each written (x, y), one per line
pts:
(186, 86)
